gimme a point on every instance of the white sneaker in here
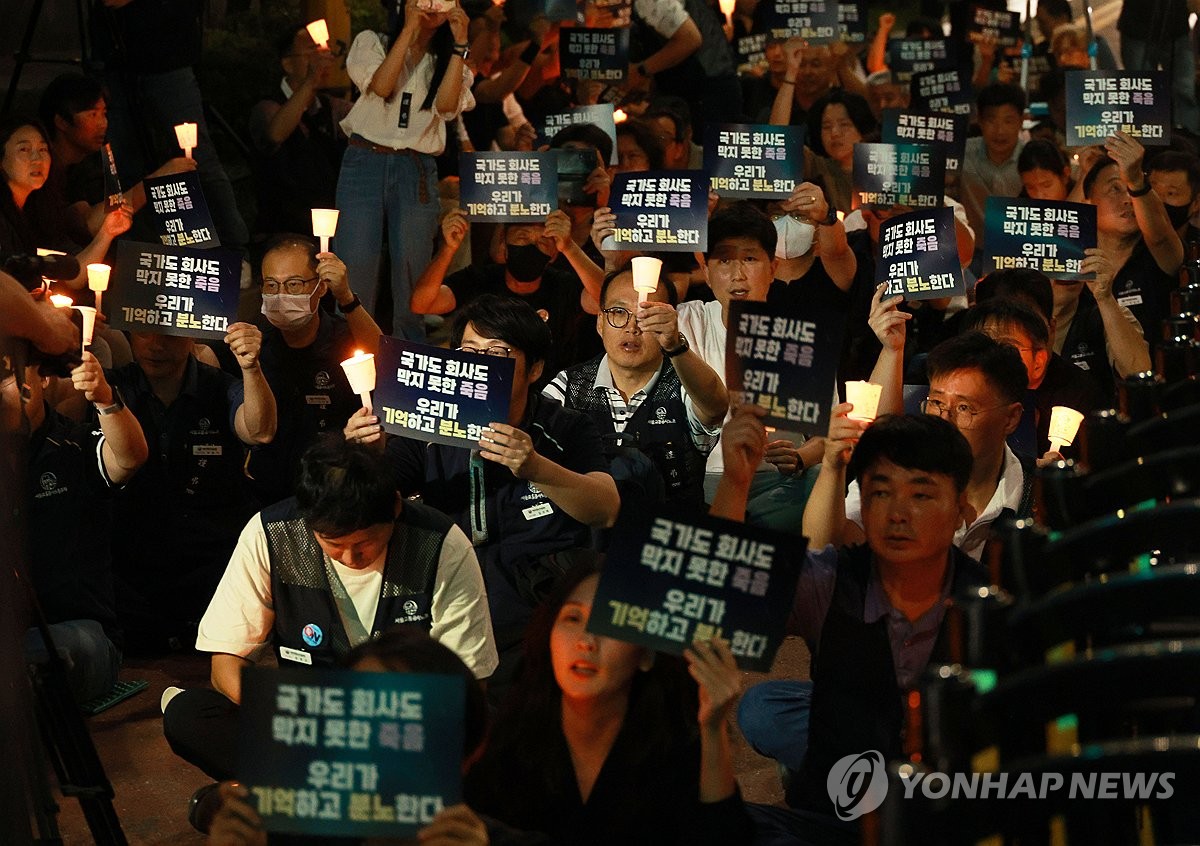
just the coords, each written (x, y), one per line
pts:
(168, 694)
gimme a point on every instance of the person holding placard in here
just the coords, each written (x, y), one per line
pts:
(836, 123)
(1135, 232)
(414, 81)
(649, 390)
(73, 470)
(812, 72)
(597, 746)
(296, 136)
(303, 345)
(989, 163)
(190, 500)
(320, 573)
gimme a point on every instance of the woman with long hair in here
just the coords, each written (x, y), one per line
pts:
(605, 742)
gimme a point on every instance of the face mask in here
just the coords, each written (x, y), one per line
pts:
(288, 311)
(526, 263)
(795, 237)
(1178, 215)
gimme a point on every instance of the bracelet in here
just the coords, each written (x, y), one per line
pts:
(1143, 191)
(530, 53)
(789, 82)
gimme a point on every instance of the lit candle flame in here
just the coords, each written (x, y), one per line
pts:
(619, 116)
(61, 301)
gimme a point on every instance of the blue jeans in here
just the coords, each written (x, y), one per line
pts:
(776, 501)
(157, 102)
(378, 189)
(773, 717)
(92, 660)
(1179, 61)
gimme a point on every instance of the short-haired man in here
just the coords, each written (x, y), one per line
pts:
(649, 390)
(989, 164)
(977, 384)
(318, 574)
(871, 614)
(1175, 178)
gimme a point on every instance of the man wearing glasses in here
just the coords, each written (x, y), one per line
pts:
(303, 346)
(649, 391)
(536, 485)
(977, 384)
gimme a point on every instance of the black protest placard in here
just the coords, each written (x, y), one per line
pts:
(1100, 103)
(907, 56)
(173, 290)
(350, 754)
(814, 21)
(601, 115)
(661, 211)
(179, 211)
(508, 187)
(114, 197)
(918, 256)
(1045, 235)
(667, 583)
(887, 175)
(941, 91)
(440, 396)
(937, 129)
(1001, 27)
(600, 54)
(852, 19)
(785, 360)
(751, 49)
(754, 160)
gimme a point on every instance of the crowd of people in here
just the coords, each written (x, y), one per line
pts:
(228, 496)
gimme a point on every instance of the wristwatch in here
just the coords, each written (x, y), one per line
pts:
(350, 306)
(461, 50)
(115, 407)
(641, 68)
(683, 347)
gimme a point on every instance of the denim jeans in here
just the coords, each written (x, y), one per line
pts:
(92, 660)
(157, 102)
(1179, 61)
(384, 189)
(773, 717)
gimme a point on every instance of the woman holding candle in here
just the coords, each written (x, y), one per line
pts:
(413, 82)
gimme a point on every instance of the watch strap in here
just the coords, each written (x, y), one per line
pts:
(683, 347)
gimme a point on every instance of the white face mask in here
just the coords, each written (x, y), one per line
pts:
(288, 312)
(795, 237)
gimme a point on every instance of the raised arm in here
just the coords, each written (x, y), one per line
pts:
(430, 295)
(1127, 347)
(743, 443)
(366, 332)
(825, 512)
(888, 323)
(703, 385)
(255, 419)
(558, 228)
(1160, 236)
(125, 448)
(713, 667)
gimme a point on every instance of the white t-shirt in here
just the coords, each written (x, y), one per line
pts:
(241, 615)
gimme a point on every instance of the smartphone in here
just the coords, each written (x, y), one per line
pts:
(574, 167)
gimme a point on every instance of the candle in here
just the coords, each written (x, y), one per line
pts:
(43, 252)
(360, 372)
(324, 222)
(98, 280)
(319, 31)
(727, 8)
(619, 116)
(89, 325)
(1064, 423)
(61, 300)
(185, 133)
(646, 270)
(864, 396)
(841, 215)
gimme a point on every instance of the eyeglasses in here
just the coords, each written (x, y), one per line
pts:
(293, 285)
(617, 317)
(496, 350)
(960, 414)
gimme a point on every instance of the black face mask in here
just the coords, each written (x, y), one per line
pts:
(1179, 215)
(526, 262)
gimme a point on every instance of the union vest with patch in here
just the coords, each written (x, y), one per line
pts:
(303, 580)
(658, 428)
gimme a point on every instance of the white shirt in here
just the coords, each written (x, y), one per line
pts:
(241, 615)
(970, 539)
(378, 120)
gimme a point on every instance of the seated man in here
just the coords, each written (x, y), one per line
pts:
(537, 484)
(977, 384)
(181, 515)
(318, 574)
(72, 471)
(303, 347)
(649, 386)
(871, 614)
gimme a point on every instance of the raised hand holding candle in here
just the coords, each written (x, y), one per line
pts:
(98, 280)
(89, 325)
(61, 300)
(1064, 424)
(324, 222)
(185, 133)
(319, 31)
(646, 270)
(864, 396)
(360, 372)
